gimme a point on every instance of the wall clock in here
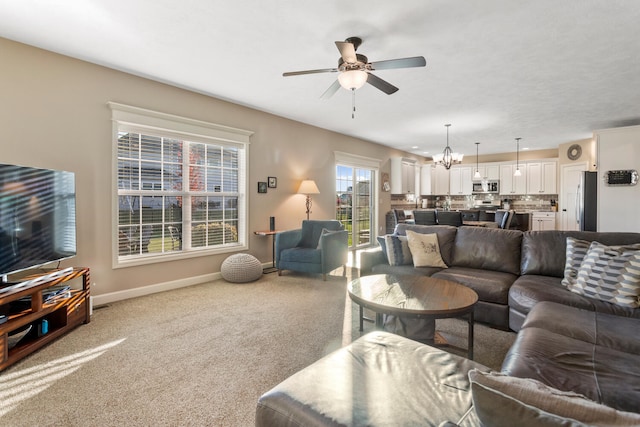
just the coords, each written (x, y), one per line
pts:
(574, 152)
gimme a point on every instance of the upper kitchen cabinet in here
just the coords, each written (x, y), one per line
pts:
(460, 183)
(488, 171)
(403, 175)
(426, 182)
(542, 177)
(510, 184)
(440, 181)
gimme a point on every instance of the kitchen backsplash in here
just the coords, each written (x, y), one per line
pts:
(544, 203)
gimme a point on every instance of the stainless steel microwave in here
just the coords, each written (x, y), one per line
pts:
(486, 187)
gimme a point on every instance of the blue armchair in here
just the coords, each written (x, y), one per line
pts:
(317, 247)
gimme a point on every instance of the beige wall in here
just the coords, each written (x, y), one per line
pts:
(54, 114)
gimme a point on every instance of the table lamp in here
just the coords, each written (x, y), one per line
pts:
(308, 187)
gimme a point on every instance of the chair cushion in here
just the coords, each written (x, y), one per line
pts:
(488, 249)
(307, 255)
(312, 229)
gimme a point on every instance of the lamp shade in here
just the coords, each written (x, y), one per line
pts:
(308, 186)
(352, 79)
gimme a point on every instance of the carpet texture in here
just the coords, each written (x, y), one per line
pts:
(196, 356)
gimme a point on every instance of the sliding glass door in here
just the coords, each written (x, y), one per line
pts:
(355, 203)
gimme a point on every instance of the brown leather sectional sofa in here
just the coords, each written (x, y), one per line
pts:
(566, 341)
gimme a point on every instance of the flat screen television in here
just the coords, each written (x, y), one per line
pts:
(37, 218)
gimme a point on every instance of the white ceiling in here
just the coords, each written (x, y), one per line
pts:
(548, 71)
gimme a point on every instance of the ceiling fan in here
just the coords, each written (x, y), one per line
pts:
(355, 69)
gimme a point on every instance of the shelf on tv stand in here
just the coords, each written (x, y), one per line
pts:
(62, 315)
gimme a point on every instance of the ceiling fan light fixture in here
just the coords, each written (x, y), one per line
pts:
(352, 79)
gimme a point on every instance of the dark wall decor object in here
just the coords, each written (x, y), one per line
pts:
(262, 187)
(273, 182)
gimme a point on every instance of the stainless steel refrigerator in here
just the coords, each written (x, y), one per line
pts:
(586, 205)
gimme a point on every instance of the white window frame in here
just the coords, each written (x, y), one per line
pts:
(135, 119)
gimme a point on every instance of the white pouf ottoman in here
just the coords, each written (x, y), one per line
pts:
(241, 268)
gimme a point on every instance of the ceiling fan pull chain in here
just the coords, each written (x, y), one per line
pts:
(353, 103)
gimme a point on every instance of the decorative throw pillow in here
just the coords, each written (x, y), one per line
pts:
(425, 249)
(500, 399)
(398, 252)
(611, 274)
(325, 232)
(576, 251)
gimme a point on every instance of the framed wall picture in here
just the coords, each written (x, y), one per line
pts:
(272, 181)
(262, 187)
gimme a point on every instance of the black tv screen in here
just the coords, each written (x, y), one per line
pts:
(37, 217)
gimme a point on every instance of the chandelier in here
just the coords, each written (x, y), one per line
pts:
(448, 157)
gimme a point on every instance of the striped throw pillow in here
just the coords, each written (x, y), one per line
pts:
(398, 252)
(576, 251)
(611, 274)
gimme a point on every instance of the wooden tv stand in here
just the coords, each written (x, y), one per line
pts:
(62, 315)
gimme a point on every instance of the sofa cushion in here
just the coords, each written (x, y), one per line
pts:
(491, 286)
(500, 399)
(446, 236)
(576, 251)
(543, 252)
(603, 374)
(397, 250)
(487, 249)
(610, 273)
(425, 250)
(608, 330)
(529, 290)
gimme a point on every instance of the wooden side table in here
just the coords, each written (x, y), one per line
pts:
(273, 268)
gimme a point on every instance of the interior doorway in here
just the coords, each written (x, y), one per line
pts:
(570, 176)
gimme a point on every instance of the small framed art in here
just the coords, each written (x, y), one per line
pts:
(262, 187)
(272, 181)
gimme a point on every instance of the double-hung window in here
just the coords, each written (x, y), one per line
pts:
(180, 187)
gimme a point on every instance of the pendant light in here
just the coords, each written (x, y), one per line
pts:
(447, 158)
(517, 172)
(476, 176)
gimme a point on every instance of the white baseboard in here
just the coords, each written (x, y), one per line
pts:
(151, 289)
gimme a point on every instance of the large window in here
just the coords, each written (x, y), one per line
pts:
(179, 193)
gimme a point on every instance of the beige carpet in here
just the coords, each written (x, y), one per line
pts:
(198, 356)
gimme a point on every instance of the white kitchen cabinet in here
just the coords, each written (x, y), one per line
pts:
(440, 181)
(460, 183)
(426, 181)
(403, 176)
(541, 221)
(488, 171)
(510, 184)
(542, 177)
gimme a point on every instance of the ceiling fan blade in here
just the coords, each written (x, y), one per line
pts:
(384, 86)
(347, 52)
(298, 73)
(331, 90)
(416, 61)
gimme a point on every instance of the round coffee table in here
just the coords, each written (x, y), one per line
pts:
(414, 296)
